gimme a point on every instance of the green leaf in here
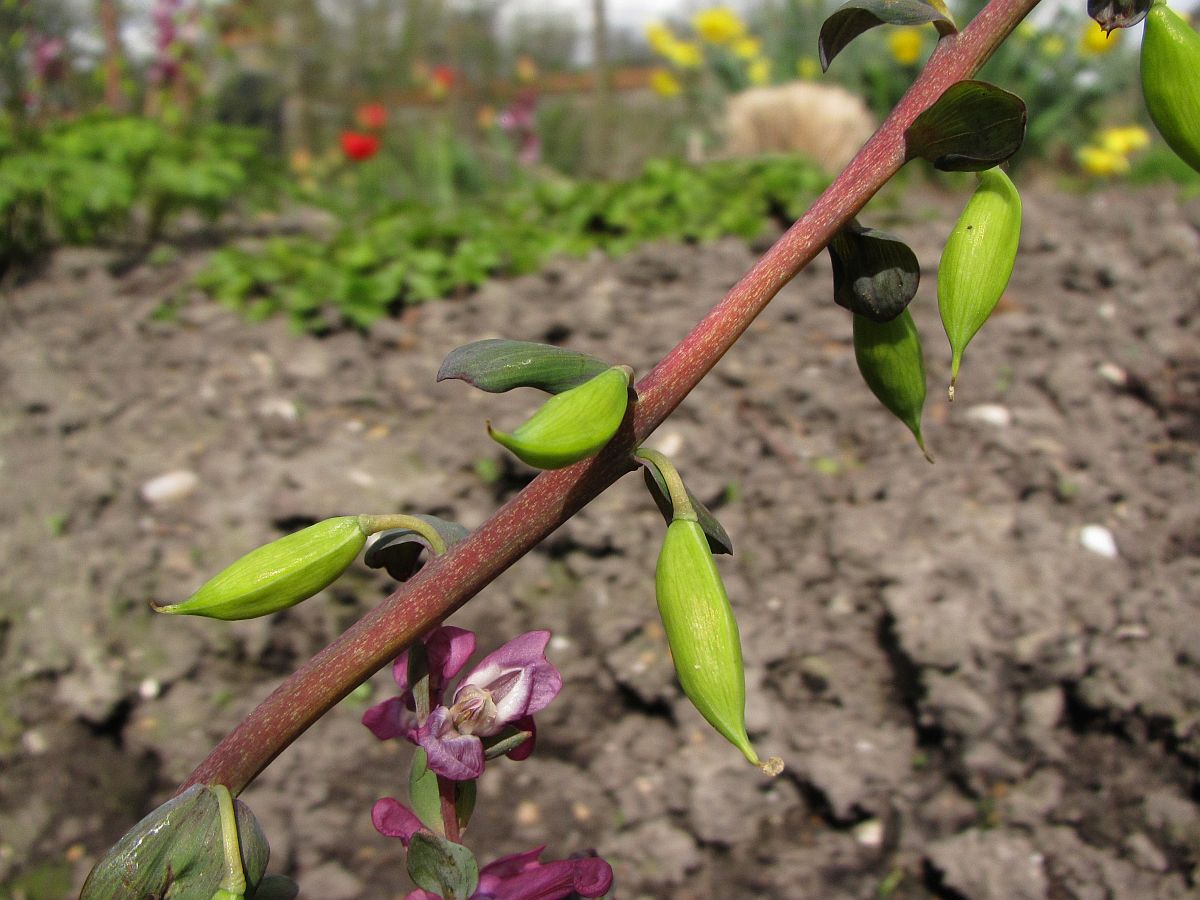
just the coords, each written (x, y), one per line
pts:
(497, 365)
(851, 19)
(442, 867)
(875, 274)
(423, 793)
(718, 538)
(400, 550)
(170, 853)
(464, 802)
(973, 126)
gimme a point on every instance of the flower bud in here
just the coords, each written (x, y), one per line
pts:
(703, 635)
(572, 425)
(179, 850)
(891, 362)
(1171, 80)
(978, 261)
(279, 574)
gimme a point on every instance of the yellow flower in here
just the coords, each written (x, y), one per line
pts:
(905, 45)
(660, 38)
(1053, 46)
(686, 54)
(485, 117)
(759, 71)
(665, 84)
(719, 25)
(747, 47)
(301, 161)
(1095, 41)
(1026, 31)
(527, 69)
(1101, 163)
(1126, 140)
(808, 68)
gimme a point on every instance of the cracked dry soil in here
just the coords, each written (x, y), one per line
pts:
(971, 702)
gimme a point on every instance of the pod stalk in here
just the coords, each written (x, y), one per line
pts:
(680, 502)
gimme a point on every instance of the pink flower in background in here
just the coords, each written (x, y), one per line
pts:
(49, 58)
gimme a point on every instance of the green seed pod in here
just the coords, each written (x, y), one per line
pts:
(279, 574)
(572, 425)
(703, 635)
(890, 360)
(1171, 80)
(978, 261)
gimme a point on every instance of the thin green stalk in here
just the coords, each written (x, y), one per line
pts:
(449, 581)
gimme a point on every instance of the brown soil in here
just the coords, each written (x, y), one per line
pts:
(970, 702)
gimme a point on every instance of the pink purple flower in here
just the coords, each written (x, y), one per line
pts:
(502, 692)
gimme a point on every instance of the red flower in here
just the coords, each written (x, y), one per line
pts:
(371, 116)
(359, 147)
(443, 77)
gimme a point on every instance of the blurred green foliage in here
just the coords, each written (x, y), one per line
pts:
(417, 252)
(104, 179)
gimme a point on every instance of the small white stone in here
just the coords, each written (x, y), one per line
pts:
(34, 742)
(170, 487)
(361, 478)
(1107, 310)
(1131, 632)
(1098, 540)
(1113, 374)
(559, 642)
(279, 408)
(670, 443)
(869, 833)
(149, 688)
(990, 414)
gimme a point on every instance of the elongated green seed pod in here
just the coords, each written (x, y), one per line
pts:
(1171, 80)
(572, 425)
(978, 261)
(703, 635)
(279, 574)
(891, 362)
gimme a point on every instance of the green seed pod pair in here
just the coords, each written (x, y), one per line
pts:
(572, 425)
(978, 261)
(279, 574)
(1171, 80)
(891, 362)
(703, 635)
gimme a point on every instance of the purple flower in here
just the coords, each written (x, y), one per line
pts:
(522, 877)
(505, 689)
(447, 649)
(392, 818)
(502, 692)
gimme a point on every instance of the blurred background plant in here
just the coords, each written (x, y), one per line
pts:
(424, 145)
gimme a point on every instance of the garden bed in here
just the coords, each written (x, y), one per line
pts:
(974, 697)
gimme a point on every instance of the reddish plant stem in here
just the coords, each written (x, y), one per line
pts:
(448, 793)
(451, 580)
